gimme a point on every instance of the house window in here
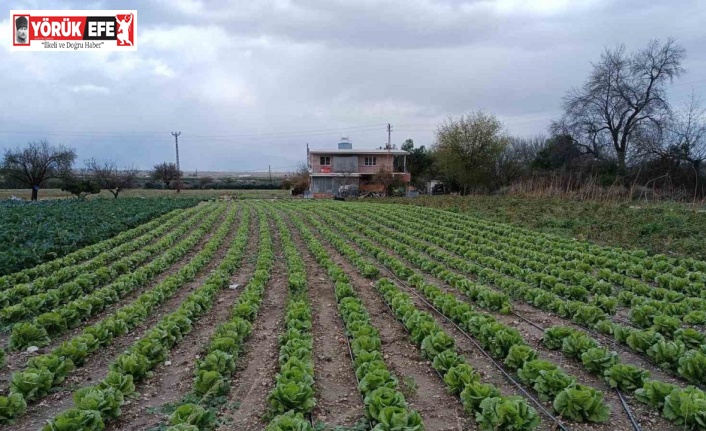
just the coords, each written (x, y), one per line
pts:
(325, 161)
(371, 161)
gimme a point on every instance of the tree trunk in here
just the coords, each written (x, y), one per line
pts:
(621, 163)
(34, 194)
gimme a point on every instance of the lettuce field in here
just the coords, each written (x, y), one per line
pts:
(301, 316)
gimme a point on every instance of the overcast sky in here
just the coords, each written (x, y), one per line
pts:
(250, 83)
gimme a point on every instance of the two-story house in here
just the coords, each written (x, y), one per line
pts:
(331, 169)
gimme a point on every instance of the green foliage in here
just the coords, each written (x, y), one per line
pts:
(550, 382)
(289, 421)
(598, 359)
(446, 360)
(459, 376)
(28, 334)
(507, 413)
(193, 414)
(58, 366)
(11, 407)
(666, 324)
(641, 341)
(686, 407)
(398, 419)
(519, 355)
(654, 392)
(581, 404)
(474, 393)
(121, 382)
(554, 336)
(666, 353)
(576, 344)
(76, 420)
(107, 401)
(436, 343)
(383, 397)
(692, 366)
(209, 384)
(626, 377)
(31, 383)
(530, 371)
(63, 225)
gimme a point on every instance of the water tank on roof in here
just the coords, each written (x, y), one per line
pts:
(345, 144)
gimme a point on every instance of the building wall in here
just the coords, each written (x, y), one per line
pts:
(330, 184)
(383, 160)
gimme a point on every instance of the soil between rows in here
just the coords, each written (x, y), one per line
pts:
(172, 382)
(258, 362)
(338, 401)
(440, 410)
(96, 366)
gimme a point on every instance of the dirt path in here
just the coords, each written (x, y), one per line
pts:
(423, 388)
(96, 366)
(17, 360)
(258, 363)
(338, 401)
(174, 381)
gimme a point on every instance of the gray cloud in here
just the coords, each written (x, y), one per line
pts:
(225, 72)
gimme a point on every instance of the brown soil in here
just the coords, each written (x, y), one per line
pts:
(17, 360)
(440, 410)
(338, 401)
(258, 363)
(96, 366)
(174, 381)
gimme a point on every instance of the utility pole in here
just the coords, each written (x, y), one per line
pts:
(389, 133)
(176, 142)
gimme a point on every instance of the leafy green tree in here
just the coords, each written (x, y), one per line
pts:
(419, 162)
(467, 149)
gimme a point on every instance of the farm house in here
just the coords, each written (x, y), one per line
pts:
(352, 168)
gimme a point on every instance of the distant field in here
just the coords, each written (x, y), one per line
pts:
(669, 228)
(143, 193)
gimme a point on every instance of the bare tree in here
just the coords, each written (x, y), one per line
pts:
(204, 181)
(37, 163)
(623, 93)
(108, 177)
(165, 172)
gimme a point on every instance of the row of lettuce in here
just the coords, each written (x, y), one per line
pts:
(46, 371)
(502, 342)
(576, 345)
(551, 273)
(95, 405)
(680, 351)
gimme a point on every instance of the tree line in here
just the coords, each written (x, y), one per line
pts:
(618, 128)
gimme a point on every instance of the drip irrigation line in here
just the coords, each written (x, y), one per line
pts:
(635, 425)
(490, 358)
(626, 408)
